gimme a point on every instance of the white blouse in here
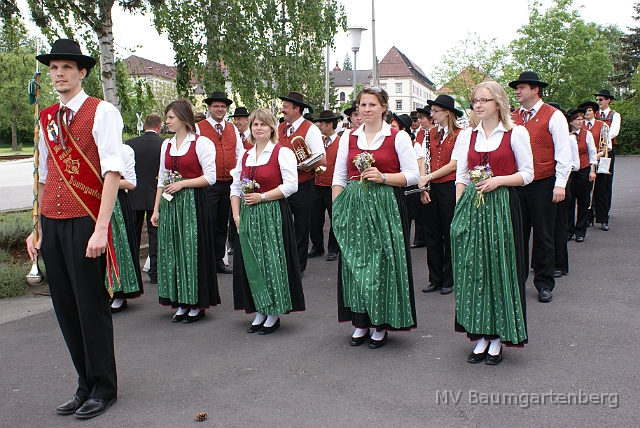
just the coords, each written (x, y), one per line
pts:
(129, 158)
(286, 160)
(520, 144)
(406, 154)
(205, 149)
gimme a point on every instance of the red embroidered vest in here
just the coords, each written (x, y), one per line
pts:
(268, 176)
(583, 152)
(225, 148)
(386, 157)
(542, 147)
(420, 136)
(303, 176)
(608, 120)
(595, 131)
(326, 178)
(502, 160)
(58, 201)
(441, 153)
(188, 165)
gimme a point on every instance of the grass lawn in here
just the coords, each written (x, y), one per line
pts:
(6, 150)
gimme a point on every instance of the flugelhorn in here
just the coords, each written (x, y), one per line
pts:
(304, 155)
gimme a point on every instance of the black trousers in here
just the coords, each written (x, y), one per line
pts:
(420, 235)
(439, 214)
(561, 251)
(152, 232)
(81, 303)
(601, 199)
(219, 204)
(612, 155)
(579, 203)
(300, 203)
(539, 212)
(320, 203)
(233, 232)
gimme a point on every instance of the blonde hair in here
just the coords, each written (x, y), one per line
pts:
(500, 97)
(264, 116)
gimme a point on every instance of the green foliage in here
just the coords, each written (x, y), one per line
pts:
(135, 97)
(346, 65)
(15, 227)
(264, 48)
(12, 276)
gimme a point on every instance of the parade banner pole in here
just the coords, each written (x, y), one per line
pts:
(35, 277)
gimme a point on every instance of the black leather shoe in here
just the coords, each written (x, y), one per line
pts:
(314, 253)
(544, 296)
(494, 360)
(418, 245)
(153, 279)
(569, 237)
(221, 268)
(179, 318)
(122, 307)
(557, 274)
(478, 358)
(189, 319)
(579, 238)
(331, 257)
(375, 344)
(72, 405)
(604, 226)
(431, 288)
(230, 251)
(254, 328)
(357, 341)
(589, 224)
(94, 407)
(446, 290)
(268, 330)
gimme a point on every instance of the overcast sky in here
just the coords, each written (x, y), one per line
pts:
(421, 29)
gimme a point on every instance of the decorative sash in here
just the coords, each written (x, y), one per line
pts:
(85, 186)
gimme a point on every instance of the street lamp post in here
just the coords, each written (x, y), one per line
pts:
(355, 33)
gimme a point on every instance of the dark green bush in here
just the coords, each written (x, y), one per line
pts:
(12, 276)
(14, 229)
(629, 137)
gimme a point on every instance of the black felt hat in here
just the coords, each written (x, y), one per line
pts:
(218, 96)
(348, 112)
(240, 112)
(447, 102)
(425, 110)
(594, 106)
(556, 105)
(413, 115)
(327, 116)
(605, 93)
(67, 49)
(528, 77)
(297, 98)
(404, 119)
(573, 111)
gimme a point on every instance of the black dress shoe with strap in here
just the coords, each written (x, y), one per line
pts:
(72, 405)
(494, 360)
(179, 318)
(478, 358)
(268, 330)
(375, 344)
(94, 407)
(357, 341)
(120, 308)
(254, 328)
(189, 319)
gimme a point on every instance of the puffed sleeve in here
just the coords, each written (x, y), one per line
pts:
(129, 158)
(340, 174)
(521, 146)
(206, 151)
(407, 157)
(289, 171)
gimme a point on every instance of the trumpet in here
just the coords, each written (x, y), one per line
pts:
(305, 156)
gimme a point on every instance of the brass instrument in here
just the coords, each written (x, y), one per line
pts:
(303, 154)
(604, 163)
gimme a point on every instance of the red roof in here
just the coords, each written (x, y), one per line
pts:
(396, 64)
(137, 66)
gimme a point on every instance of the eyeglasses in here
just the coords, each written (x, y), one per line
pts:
(481, 100)
(375, 88)
(435, 110)
(600, 99)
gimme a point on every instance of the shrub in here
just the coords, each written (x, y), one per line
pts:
(14, 229)
(629, 137)
(12, 276)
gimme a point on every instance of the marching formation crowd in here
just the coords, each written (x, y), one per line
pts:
(260, 190)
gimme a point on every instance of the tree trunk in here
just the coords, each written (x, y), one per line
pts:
(14, 133)
(107, 55)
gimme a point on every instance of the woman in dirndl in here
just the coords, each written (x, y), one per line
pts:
(486, 233)
(186, 263)
(125, 240)
(266, 270)
(371, 224)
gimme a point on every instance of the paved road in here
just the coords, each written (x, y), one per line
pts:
(16, 185)
(584, 342)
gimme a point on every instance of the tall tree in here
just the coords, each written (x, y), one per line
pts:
(566, 52)
(346, 64)
(629, 57)
(54, 17)
(260, 48)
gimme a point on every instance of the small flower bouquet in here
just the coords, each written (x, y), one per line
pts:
(363, 161)
(170, 176)
(249, 186)
(477, 174)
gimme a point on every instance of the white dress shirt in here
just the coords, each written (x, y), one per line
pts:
(313, 137)
(559, 129)
(129, 159)
(288, 168)
(213, 123)
(205, 149)
(614, 128)
(107, 133)
(406, 155)
(520, 145)
(575, 153)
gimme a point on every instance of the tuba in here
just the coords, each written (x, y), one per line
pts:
(305, 156)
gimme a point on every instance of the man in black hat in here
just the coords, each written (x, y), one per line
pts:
(415, 123)
(613, 120)
(228, 144)
(327, 122)
(80, 167)
(353, 116)
(147, 154)
(241, 121)
(549, 132)
(295, 125)
(422, 137)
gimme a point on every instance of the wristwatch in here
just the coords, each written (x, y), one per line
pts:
(384, 178)
(263, 197)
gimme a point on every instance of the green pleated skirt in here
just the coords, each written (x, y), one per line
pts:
(487, 262)
(375, 277)
(128, 283)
